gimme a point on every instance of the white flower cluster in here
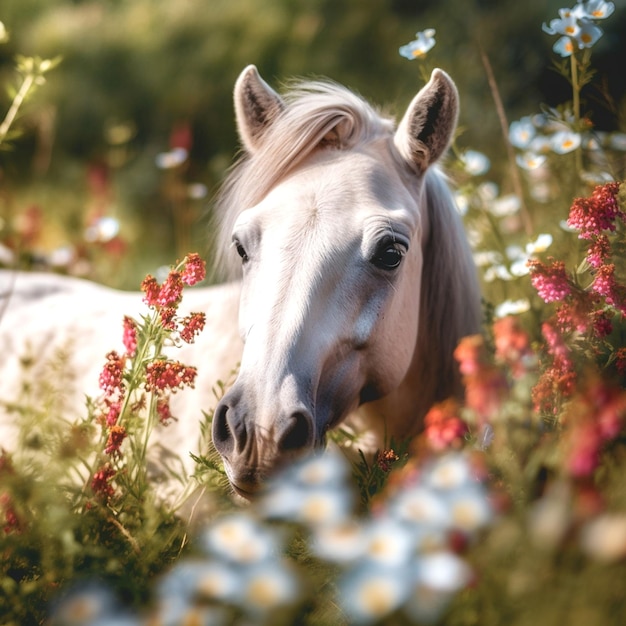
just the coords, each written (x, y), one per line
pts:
(401, 559)
(576, 26)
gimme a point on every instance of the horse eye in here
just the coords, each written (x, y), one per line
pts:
(389, 256)
(241, 251)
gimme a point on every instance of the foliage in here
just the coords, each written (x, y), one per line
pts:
(508, 508)
(144, 78)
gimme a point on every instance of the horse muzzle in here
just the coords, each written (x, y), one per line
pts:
(252, 449)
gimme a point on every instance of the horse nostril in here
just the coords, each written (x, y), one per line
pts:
(222, 436)
(298, 434)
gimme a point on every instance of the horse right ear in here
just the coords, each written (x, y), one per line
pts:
(426, 129)
(256, 106)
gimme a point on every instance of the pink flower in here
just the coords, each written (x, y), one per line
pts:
(584, 450)
(101, 482)
(171, 291)
(12, 522)
(604, 282)
(112, 375)
(443, 428)
(385, 459)
(192, 326)
(469, 354)
(151, 288)
(551, 281)
(130, 335)
(593, 215)
(598, 251)
(117, 434)
(512, 345)
(164, 411)
(168, 317)
(194, 270)
(602, 324)
(113, 413)
(164, 375)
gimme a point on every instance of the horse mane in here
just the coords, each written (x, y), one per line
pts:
(450, 300)
(313, 109)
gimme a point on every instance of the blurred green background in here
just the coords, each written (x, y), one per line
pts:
(143, 83)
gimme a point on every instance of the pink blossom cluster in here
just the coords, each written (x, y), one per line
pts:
(163, 375)
(485, 385)
(557, 381)
(443, 428)
(591, 216)
(101, 482)
(169, 294)
(165, 298)
(594, 418)
(551, 281)
(512, 346)
(584, 312)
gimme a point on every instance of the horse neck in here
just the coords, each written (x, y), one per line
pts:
(449, 310)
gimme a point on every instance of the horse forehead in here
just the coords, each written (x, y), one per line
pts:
(339, 190)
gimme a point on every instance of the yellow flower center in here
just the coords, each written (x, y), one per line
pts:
(377, 598)
(264, 592)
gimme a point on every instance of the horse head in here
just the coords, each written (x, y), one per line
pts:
(326, 216)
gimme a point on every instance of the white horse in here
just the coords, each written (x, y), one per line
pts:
(352, 278)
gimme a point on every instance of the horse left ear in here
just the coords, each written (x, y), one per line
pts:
(427, 127)
(256, 106)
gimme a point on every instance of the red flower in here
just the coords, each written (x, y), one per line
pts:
(584, 453)
(598, 251)
(130, 335)
(485, 385)
(593, 215)
(194, 270)
(117, 434)
(164, 375)
(470, 354)
(171, 291)
(512, 345)
(164, 411)
(101, 482)
(602, 323)
(12, 522)
(606, 285)
(151, 288)
(551, 281)
(385, 459)
(112, 375)
(113, 413)
(168, 318)
(192, 326)
(443, 428)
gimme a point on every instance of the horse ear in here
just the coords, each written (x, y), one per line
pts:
(256, 107)
(428, 124)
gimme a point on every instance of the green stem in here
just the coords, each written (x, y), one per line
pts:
(29, 81)
(578, 155)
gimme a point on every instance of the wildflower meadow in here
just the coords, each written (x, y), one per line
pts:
(508, 508)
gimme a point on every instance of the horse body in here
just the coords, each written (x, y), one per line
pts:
(354, 280)
(55, 332)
